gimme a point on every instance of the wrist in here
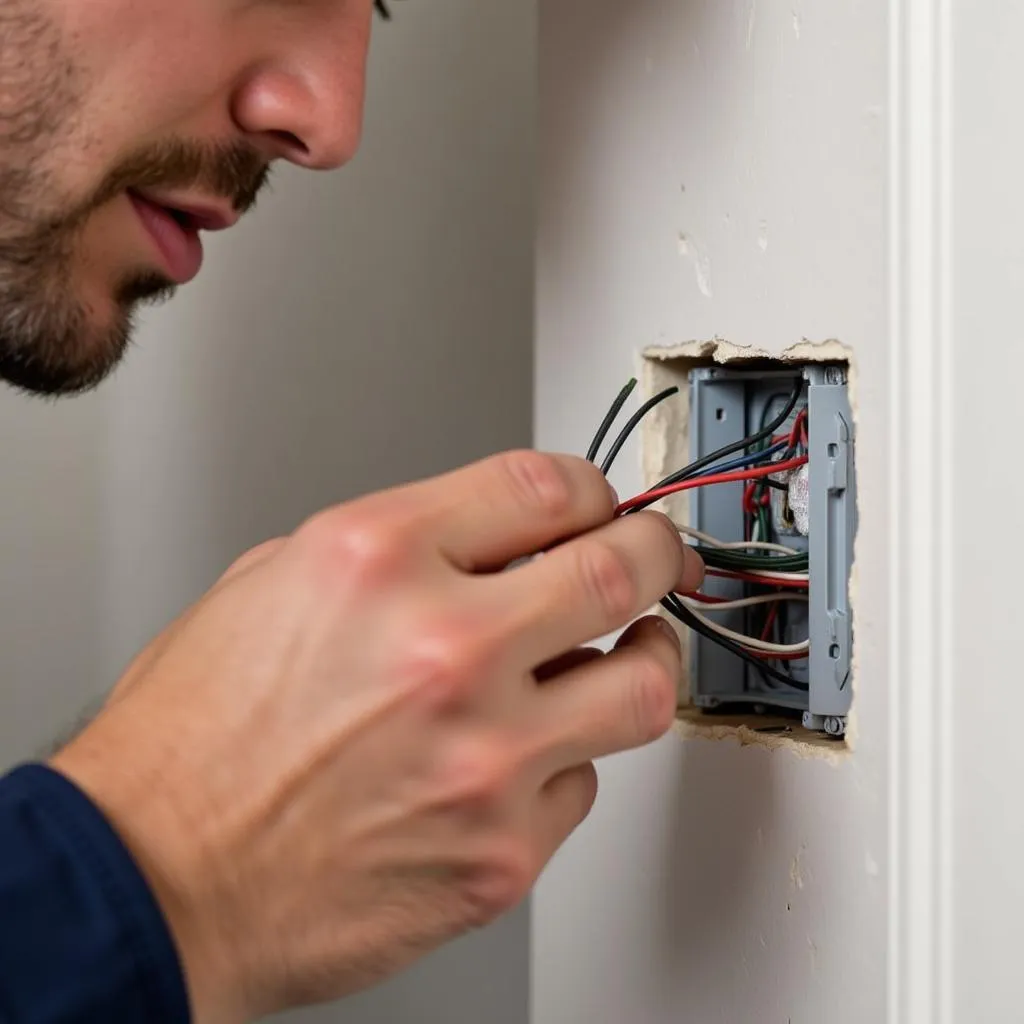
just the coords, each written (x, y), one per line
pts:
(167, 848)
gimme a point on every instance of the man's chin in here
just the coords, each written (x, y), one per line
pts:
(65, 355)
(145, 288)
(48, 377)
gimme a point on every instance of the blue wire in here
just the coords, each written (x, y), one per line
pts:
(746, 460)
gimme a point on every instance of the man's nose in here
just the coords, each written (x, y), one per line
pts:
(305, 104)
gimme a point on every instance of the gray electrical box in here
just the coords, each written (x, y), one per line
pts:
(816, 512)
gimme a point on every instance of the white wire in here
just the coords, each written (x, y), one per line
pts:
(742, 602)
(784, 577)
(749, 641)
(738, 545)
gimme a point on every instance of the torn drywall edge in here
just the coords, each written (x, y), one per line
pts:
(665, 446)
(801, 742)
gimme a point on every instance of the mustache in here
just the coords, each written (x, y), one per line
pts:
(233, 171)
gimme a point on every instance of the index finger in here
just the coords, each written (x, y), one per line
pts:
(593, 584)
(514, 504)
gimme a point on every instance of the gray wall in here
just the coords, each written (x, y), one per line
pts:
(360, 329)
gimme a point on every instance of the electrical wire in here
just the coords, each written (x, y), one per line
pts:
(745, 443)
(714, 542)
(650, 497)
(606, 423)
(799, 431)
(797, 580)
(718, 604)
(710, 470)
(751, 642)
(754, 562)
(632, 424)
(746, 460)
(783, 657)
(679, 611)
(696, 595)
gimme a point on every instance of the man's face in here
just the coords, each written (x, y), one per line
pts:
(128, 128)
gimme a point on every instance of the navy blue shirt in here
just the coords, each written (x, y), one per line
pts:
(82, 938)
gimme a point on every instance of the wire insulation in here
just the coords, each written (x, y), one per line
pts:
(716, 604)
(747, 442)
(747, 460)
(650, 497)
(609, 419)
(632, 424)
(736, 545)
(768, 579)
(679, 611)
(751, 642)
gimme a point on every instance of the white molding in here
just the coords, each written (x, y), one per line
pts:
(920, 903)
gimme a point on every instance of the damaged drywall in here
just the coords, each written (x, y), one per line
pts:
(665, 447)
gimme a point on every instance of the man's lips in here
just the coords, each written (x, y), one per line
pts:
(174, 225)
(178, 243)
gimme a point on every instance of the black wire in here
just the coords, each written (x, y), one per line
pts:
(671, 602)
(695, 467)
(606, 423)
(675, 607)
(634, 420)
(719, 559)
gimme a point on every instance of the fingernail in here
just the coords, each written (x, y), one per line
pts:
(615, 497)
(669, 630)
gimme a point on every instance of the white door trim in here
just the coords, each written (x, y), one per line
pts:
(920, 901)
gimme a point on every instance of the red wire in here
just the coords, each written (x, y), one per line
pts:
(706, 598)
(770, 621)
(798, 428)
(791, 656)
(706, 481)
(733, 574)
(748, 497)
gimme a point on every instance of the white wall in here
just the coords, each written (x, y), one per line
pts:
(359, 329)
(716, 883)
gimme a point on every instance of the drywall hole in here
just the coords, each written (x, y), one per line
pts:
(769, 643)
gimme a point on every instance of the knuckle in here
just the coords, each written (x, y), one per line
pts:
(479, 776)
(537, 481)
(606, 574)
(500, 881)
(442, 662)
(351, 544)
(653, 698)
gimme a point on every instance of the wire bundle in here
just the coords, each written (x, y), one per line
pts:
(779, 573)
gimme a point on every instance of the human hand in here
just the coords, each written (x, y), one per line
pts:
(367, 739)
